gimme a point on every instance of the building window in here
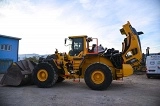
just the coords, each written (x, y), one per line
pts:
(5, 47)
(9, 47)
(1, 47)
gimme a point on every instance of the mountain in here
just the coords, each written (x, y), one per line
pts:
(23, 56)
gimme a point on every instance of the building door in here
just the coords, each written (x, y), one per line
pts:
(4, 64)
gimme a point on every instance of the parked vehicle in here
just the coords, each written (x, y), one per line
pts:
(153, 66)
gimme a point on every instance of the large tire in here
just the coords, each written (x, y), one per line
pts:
(44, 75)
(98, 76)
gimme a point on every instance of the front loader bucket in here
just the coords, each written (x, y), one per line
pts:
(18, 73)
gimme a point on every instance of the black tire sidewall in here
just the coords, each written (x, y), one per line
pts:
(105, 70)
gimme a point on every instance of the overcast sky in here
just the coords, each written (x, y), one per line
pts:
(43, 24)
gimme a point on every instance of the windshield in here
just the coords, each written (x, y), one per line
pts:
(76, 46)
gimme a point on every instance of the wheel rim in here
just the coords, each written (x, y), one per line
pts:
(97, 77)
(42, 75)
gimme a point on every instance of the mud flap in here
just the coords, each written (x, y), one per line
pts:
(19, 73)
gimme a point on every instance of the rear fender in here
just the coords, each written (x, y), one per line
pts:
(127, 70)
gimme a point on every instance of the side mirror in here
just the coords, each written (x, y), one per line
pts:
(139, 33)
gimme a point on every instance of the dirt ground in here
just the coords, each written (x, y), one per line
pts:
(135, 90)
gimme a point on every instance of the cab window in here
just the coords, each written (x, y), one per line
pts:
(76, 46)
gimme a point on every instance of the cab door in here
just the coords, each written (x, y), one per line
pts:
(76, 52)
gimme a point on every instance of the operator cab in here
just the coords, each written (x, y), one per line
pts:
(83, 45)
(76, 45)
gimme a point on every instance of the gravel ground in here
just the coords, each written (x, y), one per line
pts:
(135, 90)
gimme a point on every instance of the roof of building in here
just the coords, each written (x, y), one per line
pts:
(10, 37)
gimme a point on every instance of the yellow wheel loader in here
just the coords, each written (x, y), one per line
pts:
(86, 59)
